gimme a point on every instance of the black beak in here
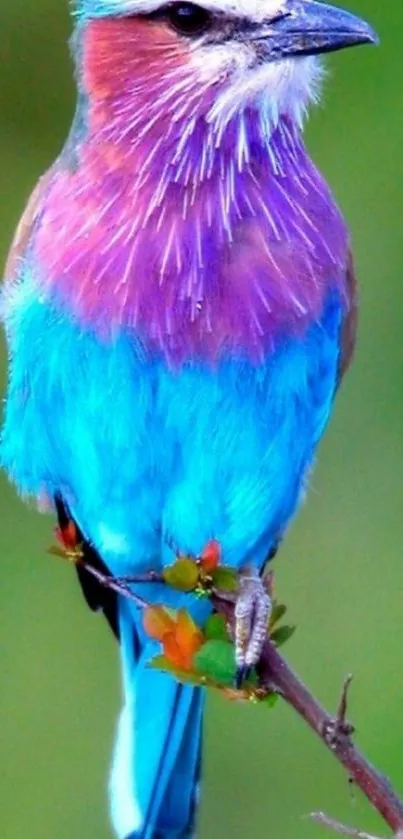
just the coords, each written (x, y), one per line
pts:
(307, 27)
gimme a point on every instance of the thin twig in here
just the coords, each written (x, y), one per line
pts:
(338, 827)
(148, 577)
(118, 585)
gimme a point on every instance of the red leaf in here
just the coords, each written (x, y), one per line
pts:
(210, 556)
(68, 535)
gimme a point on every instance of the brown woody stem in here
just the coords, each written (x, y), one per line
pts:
(374, 785)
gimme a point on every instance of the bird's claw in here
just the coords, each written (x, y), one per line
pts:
(252, 612)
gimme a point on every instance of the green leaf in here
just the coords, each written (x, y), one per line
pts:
(160, 662)
(216, 628)
(225, 578)
(282, 634)
(182, 575)
(55, 550)
(216, 660)
(271, 699)
(278, 611)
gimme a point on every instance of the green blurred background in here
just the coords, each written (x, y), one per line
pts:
(341, 570)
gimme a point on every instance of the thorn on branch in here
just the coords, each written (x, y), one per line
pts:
(342, 709)
(338, 730)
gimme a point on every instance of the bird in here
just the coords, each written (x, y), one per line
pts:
(180, 307)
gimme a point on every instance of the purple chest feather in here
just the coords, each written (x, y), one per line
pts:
(202, 247)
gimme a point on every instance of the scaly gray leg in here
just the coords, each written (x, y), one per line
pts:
(252, 612)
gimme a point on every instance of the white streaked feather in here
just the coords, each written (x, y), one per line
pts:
(278, 88)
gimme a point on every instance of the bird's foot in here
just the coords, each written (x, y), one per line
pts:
(252, 612)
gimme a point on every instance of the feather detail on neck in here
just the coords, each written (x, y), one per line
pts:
(204, 242)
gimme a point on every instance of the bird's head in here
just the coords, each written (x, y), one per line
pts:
(213, 57)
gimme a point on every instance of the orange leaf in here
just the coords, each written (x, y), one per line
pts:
(210, 556)
(157, 622)
(173, 651)
(188, 636)
(186, 627)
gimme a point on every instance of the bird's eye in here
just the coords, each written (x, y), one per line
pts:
(188, 19)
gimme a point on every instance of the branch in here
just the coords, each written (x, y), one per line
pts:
(345, 830)
(119, 585)
(276, 676)
(338, 827)
(374, 785)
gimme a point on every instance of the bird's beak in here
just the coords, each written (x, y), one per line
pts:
(307, 27)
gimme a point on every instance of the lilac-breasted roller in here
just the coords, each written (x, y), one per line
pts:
(180, 307)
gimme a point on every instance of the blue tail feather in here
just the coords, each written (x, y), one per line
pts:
(156, 765)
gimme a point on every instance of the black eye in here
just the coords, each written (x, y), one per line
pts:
(188, 19)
